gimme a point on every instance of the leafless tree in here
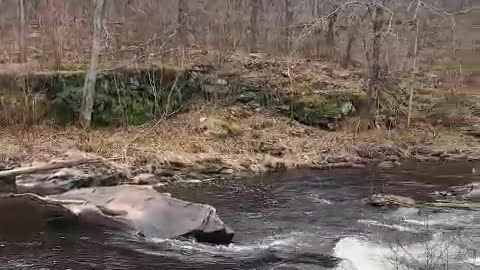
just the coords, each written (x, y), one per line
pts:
(414, 67)
(288, 25)
(373, 52)
(91, 77)
(255, 13)
(22, 32)
(183, 22)
(330, 34)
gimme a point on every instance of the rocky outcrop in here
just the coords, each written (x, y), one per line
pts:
(133, 208)
(382, 200)
(324, 110)
(25, 215)
(63, 180)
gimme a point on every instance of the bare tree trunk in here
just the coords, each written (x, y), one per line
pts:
(331, 30)
(22, 34)
(373, 57)
(330, 35)
(255, 6)
(313, 7)
(182, 22)
(288, 25)
(58, 33)
(318, 32)
(90, 79)
(347, 58)
(54, 11)
(414, 70)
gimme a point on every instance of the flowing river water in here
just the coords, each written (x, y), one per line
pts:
(295, 220)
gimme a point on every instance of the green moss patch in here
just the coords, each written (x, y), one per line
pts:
(127, 96)
(322, 111)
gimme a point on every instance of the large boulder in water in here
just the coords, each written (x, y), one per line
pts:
(140, 209)
(25, 215)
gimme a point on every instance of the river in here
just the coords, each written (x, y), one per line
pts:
(295, 220)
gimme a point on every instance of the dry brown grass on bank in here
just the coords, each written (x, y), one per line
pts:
(180, 137)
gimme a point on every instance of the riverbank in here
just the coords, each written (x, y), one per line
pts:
(255, 114)
(192, 145)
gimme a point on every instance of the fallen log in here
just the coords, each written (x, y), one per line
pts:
(47, 167)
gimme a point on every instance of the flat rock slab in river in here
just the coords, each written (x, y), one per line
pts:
(141, 209)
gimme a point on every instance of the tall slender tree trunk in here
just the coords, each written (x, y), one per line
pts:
(373, 57)
(288, 25)
(58, 32)
(53, 42)
(255, 6)
(330, 34)
(318, 31)
(182, 22)
(414, 71)
(22, 34)
(238, 33)
(313, 8)
(331, 30)
(91, 77)
(347, 58)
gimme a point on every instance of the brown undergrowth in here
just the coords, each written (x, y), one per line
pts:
(264, 142)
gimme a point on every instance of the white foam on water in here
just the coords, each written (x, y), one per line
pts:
(394, 226)
(359, 254)
(19, 264)
(317, 199)
(278, 242)
(448, 219)
(402, 212)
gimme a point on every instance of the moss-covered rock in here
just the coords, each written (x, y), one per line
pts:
(219, 127)
(321, 111)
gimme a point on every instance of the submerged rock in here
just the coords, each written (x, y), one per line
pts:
(7, 184)
(381, 200)
(139, 209)
(455, 204)
(470, 192)
(146, 179)
(388, 164)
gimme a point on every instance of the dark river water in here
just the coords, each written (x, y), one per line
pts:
(296, 220)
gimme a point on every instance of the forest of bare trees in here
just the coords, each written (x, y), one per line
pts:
(58, 33)
(384, 37)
